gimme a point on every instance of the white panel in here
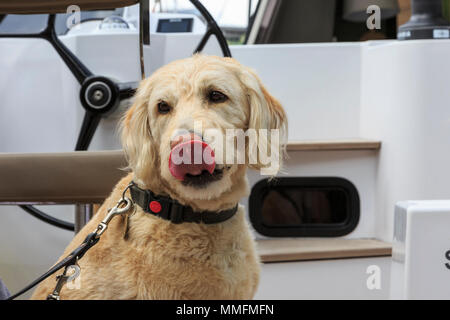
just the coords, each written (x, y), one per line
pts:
(38, 101)
(318, 84)
(404, 101)
(330, 279)
(421, 250)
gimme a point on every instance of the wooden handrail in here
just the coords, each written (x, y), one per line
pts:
(69, 177)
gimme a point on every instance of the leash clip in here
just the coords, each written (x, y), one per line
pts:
(62, 279)
(123, 206)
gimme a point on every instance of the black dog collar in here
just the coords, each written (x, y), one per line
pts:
(169, 209)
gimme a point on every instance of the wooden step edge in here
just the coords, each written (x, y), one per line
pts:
(305, 249)
(328, 145)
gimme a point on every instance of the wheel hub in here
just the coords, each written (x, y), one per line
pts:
(99, 95)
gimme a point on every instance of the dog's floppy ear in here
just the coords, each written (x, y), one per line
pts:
(137, 140)
(265, 113)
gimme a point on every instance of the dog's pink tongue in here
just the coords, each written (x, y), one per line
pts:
(191, 157)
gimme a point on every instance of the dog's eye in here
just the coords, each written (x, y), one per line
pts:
(217, 97)
(163, 107)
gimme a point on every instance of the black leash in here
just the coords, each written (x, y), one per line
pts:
(72, 259)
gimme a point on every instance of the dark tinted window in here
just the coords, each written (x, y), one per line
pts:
(304, 207)
(174, 25)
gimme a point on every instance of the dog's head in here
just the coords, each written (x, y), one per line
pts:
(188, 111)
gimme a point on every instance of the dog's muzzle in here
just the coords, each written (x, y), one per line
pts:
(191, 157)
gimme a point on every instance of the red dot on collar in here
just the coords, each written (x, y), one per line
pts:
(155, 206)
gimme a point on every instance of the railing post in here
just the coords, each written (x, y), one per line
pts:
(83, 213)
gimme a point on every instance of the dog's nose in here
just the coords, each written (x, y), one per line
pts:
(184, 138)
(190, 155)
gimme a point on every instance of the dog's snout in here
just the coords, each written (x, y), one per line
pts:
(190, 156)
(184, 138)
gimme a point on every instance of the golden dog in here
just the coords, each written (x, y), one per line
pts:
(142, 256)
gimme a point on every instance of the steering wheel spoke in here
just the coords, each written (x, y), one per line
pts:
(213, 29)
(89, 126)
(127, 89)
